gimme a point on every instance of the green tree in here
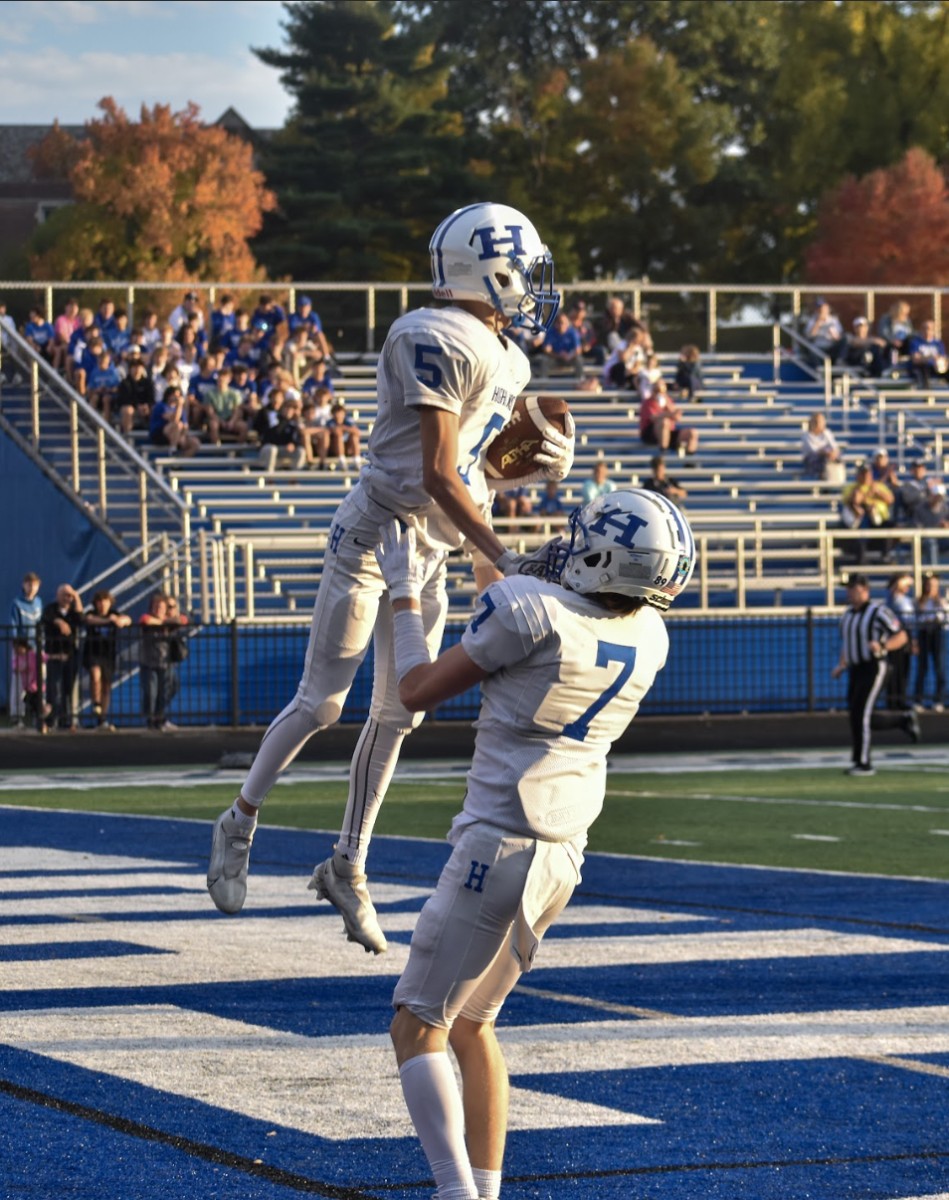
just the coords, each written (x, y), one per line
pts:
(371, 158)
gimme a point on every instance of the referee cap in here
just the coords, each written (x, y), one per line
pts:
(857, 581)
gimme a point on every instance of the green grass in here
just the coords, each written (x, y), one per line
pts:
(644, 814)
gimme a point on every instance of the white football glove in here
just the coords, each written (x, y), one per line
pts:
(533, 563)
(402, 567)
(554, 459)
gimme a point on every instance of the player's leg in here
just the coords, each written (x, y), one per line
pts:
(346, 604)
(342, 878)
(485, 1097)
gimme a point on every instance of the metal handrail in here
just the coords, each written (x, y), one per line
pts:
(826, 367)
(110, 446)
(636, 289)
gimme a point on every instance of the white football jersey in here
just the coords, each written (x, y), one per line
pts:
(448, 359)
(567, 677)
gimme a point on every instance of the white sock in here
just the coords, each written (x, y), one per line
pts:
(434, 1104)
(242, 822)
(488, 1183)
(376, 757)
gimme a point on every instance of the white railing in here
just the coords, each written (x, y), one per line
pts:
(640, 294)
(118, 469)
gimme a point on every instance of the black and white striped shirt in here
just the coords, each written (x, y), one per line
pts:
(863, 624)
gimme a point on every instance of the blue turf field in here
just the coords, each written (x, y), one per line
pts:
(689, 1030)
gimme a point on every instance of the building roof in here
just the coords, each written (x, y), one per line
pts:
(16, 140)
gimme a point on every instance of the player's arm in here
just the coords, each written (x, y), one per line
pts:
(440, 478)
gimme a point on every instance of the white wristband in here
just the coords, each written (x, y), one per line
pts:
(505, 561)
(409, 640)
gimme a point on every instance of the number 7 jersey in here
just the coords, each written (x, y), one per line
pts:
(566, 678)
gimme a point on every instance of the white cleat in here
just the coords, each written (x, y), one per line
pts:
(350, 896)
(227, 871)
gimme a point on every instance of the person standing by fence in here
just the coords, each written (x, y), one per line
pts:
(25, 614)
(869, 631)
(932, 612)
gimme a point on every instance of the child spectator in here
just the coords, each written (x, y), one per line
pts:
(135, 397)
(65, 325)
(26, 694)
(658, 423)
(40, 334)
(103, 383)
(599, 483)
(663, 483)
(223, 412)
(688, 378)
(316, 419)
(168, 424)
(625, 362)
(100, 652)
(343, 435)
(649, 374)
(26, 612)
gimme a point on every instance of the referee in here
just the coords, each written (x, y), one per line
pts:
(869, 631)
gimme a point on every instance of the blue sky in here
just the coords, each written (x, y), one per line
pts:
(58, 58)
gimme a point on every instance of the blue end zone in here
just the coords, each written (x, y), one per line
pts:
(787, 1128)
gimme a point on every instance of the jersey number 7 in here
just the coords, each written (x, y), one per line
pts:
(606, 652)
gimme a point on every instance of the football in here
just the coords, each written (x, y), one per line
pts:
(511, 454)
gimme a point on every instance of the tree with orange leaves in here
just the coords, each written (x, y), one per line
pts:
(164, 198)
(888, 227)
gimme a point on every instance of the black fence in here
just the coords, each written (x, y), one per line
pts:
(241, 674)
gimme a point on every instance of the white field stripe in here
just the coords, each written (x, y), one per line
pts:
(318, 1085)
(315, 1085)
(814, 837)
(920, 808)
(909, 1064)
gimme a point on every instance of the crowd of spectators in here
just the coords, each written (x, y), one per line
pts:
(54, 646)
(225, 376)
(895, 350)
(879, 498)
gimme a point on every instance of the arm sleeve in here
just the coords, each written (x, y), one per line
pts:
(506, 627)
(435, 373)
(886, 623)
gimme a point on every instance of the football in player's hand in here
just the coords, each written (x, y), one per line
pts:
(511, 454)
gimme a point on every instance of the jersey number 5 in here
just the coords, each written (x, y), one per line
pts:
(606, 652)
(428, 373)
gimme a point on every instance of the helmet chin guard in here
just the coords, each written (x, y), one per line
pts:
(492, 253)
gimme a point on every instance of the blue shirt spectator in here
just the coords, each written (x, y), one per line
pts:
(267, 315)
(563, 340)
(304, 315)
(204, 382)
(26, 610)
(39, 331)
(102, 379)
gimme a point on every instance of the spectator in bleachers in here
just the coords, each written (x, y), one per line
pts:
(61, 621)
(104, 317)
(301, 354)
(64, 327)
(193, 333)
(885, 471)
(316, 379)
(317, 414)
(561, 350)
(914, 491)
(621, 369)
(223, 319)
(26, 612)
(231, 338)
(549, 505)
(103, 384)
(899, 600)
(865, 504)
(343, 434)
(304, 314)
(280, 430)
(660, 481)
(27, 700)
(168, 424)
(119, 337)
(931, 515)
(170, 344)
(135, 397)
(825, 331)
(84, 347)
(599, 483)
(614, 326)
(150, 335)
(648, 375)
(927, 356)
(932, 616)
(188, 365)
(688, 378)
(659, 423)
(242, 381)
(531, 344)
(268, 315)
(7, 326)
(40, 334)
(510, 505)
(819, 447)
(189, 306)
(864, 351)
(589, 384)
(100, 652)
(895, 328)
(198, 387)
(153, 660)
(223, 410)
(581, 322)
(246, 354)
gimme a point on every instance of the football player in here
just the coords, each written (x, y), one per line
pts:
(563, 665)
(447, 382)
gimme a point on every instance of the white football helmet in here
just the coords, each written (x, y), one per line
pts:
(492, 253)
(631, 542)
